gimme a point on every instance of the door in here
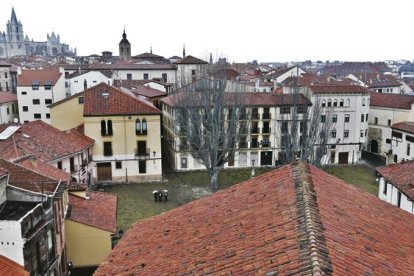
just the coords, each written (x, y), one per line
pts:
(343, 158)
(104, 171)
(142, 166)
(142, 148)
(374, 146)
(266, 158)
(332, 157)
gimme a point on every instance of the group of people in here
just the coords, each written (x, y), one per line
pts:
(159, 194)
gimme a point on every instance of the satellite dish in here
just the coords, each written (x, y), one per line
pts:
(16, 120)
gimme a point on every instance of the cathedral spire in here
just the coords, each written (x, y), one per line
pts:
(13, 18)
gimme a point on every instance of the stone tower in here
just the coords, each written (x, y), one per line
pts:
(124, 47)
(15, 37)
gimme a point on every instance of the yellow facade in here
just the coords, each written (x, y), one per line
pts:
(67, 114)
(86, 245)
(124, 142)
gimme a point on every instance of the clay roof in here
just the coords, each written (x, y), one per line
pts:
(34, 138)
(28, 179)
(391, 100)
(27, 77)
(9, 267)
(7, 97)
(255, 99)
(338, 89)
(50, 171)
(148, 92)
(190, 60)
(98, 211)
(401, 176)
(377, 80)
(3, 171)
(104, 99)
(294, 220)
(404, 126)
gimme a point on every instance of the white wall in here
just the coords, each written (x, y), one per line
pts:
(11, 242)
(76, 84)
(391, 196)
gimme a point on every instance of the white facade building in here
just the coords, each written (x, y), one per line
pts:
(395, 185)
(8, 107)
(402, 141)
(78, 82)
(36, 90)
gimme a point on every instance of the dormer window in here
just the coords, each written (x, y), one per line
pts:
(35, 85)
(48, 85)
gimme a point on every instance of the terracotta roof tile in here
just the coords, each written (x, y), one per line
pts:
(27, 77)
(391, 100)
(3, 171)
(404, 126)
(9, 267)
(28, 179)
(148, 92)
(34, 138)
(104, 99)
(6, 97)
(340, 89)
(98, 211)
(191, 60)
(50, 171)
(401, 176)
(294, 220)
(373, 80)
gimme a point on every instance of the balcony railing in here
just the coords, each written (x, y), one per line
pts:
(266, 130)
(141, 153)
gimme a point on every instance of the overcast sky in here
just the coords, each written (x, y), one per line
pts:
(264, 30)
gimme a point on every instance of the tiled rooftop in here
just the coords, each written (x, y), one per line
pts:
(404, 126)
(7, 97)
(294, 220)
(104, 99)
(397, 101)
(9, 267)
(338, 89)
(28, 76)
(34, 138)
(98, 211)
(191, 60)
(401, 176)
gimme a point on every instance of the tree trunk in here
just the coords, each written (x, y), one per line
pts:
(214, 173)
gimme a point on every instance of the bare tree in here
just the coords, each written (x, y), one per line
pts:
(208, 120)
(304, 134)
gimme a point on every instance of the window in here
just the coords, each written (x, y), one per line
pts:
(346, 119)
(376, 121)
(366, 132)
(48, 85)
(129, 76)
(36, 101)
(145, 76)
(329, 103)
(341, 102)
(59, 165)
(107, 148)
(302, 127)
(118, 165)
(80, 100)
(409, 138)
(48, 101)
(144, 126)
(389, 122)
(106, 128)
(333, 134)
(24, 93)
(388, 141)
(384, 189)
(47, 115)
(396, 134)
(346, 133)
(301, 109)
(366, 117)
(363, 102)
(8, 111)
(138, 129)
(408, 149)
(362, 118)
(323, 103)
(25, 108)
(183, 163)
(399, 199)
(37, 116)
(72, 164)
(361, 134)
(335, 103)
(323, 118)
(334, 118)
(193, 72)
(164, 77)
(35, 85)
(285, 110)
(285, 126)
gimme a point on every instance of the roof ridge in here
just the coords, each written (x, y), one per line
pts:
(310, 224)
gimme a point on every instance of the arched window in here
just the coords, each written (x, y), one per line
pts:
(341, 102)
(323, 103)
(144, 126)
(103, 128)
(329, 103)
(335, 102)
(137, 126)
(109, 127)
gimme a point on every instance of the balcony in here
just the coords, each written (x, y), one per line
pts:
(254, 144)
(266, 144)
(266, 130)
(255, 130)
(142, 153)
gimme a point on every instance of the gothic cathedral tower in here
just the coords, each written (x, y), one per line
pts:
(16, 45)
(124, 47)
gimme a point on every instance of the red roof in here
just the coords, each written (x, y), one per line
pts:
(34, 138)
(98, 211)
(3, 171)
(142, 90)
(7, 97)
(104, 99)
(50, 171)
(9, 267)
(27, 77)
(338, 89)
(404, 126)
(293, 220)
(28, 179)
(392, 100)
(191, 60)
(377, 79)
(401, 176)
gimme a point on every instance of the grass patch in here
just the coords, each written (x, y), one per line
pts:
(136, 201)
(358, 175)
